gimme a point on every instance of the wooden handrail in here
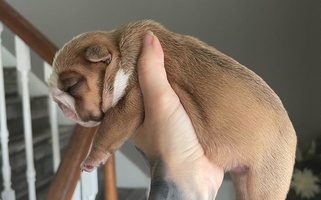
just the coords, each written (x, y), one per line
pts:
(68, 173)
(28, 33)
(110, 179)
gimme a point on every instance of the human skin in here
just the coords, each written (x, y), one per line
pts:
(167, 139)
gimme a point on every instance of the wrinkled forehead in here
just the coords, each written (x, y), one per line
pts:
(72, 55)
(66, 56)
(74, 50)
(59, 65)
(63, 60)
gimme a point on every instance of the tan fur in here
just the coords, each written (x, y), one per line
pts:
(240, 122)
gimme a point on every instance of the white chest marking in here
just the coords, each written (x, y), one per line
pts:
(120, 84)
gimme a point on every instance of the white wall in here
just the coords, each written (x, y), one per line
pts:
(129, 174)
(226, 191)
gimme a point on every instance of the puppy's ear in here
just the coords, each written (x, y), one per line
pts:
(98, 54)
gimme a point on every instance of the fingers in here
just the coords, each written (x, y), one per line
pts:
(151, 71)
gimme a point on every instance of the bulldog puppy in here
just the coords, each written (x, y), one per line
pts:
(240, 122)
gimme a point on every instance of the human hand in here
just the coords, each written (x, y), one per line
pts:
(179, 167)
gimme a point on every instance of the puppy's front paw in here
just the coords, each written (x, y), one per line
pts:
(93, 161)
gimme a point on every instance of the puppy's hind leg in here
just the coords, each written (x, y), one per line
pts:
(269, 178)
(240, 184)
(258, 184)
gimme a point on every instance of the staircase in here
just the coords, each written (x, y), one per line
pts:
(42, 144)
(63, 184)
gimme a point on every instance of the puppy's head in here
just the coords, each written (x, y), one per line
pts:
(87, 77)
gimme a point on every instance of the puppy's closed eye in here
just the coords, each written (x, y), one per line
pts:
(74, 85)
(69, 82)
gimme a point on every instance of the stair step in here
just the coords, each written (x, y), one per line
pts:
(42, 142)
(15, 126)
(38, 106)
(43, 160)
(10, 79)
(18, 145)
(39, 114)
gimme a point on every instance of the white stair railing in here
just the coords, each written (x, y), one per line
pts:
(87, 188)
(8, 193)
(23, 67)
(53, 123)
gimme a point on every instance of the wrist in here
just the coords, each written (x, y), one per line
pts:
(199, 179)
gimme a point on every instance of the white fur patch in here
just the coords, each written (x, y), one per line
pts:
(53, 79)
(120, 84)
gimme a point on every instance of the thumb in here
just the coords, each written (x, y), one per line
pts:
(151, 71)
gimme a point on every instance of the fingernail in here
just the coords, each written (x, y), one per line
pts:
(149, 37)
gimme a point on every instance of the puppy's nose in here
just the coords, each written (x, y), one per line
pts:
(97, 117)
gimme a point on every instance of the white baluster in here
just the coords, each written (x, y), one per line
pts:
(24, 66)
(53, 123)
(89, 185)
(8, 193)
(77, 192)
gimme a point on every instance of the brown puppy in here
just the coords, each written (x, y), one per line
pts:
(240, 122)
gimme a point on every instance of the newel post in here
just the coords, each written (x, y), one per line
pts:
(8, 193)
